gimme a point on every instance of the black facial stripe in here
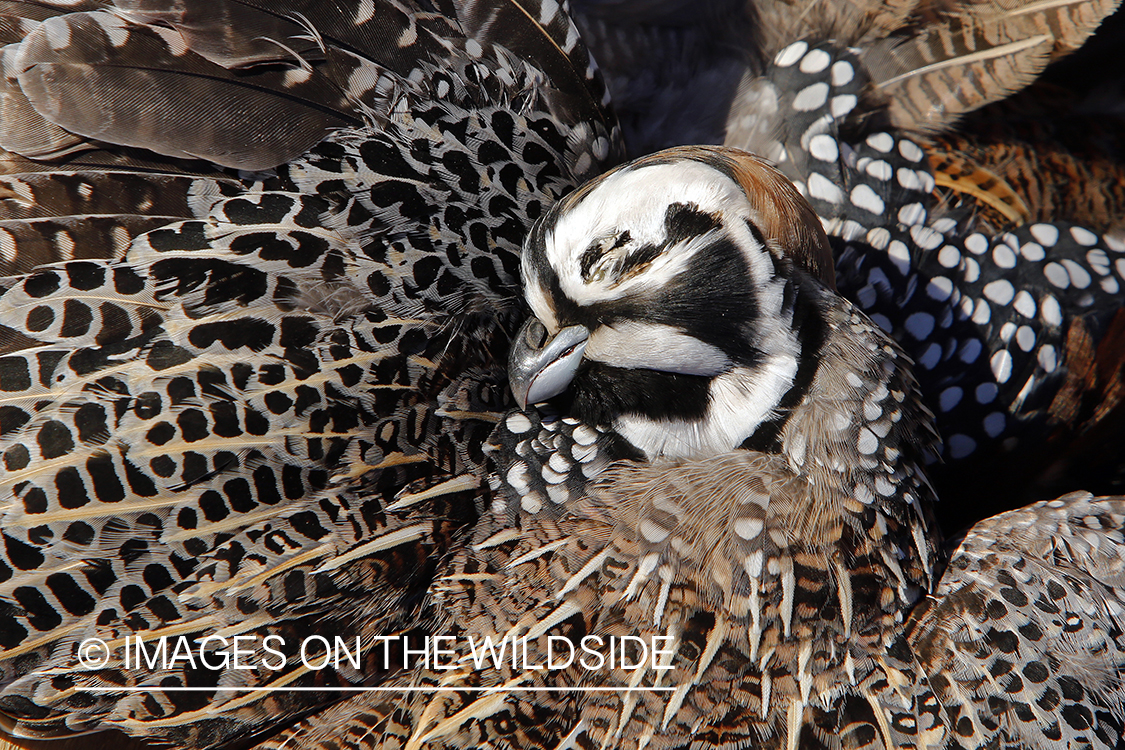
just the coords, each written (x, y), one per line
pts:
(598, 250)
(757, 234)
(601, 392)
(590, 256)
(683, 221)
(808, 321)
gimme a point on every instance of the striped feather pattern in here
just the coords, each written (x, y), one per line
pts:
(209, 428)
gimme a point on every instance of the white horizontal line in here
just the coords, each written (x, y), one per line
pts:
(148, 688)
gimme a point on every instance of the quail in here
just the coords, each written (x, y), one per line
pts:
(860, 105)
(252, 396)
(729, 469)
(848, 100)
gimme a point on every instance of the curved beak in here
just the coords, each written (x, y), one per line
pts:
(541, 366)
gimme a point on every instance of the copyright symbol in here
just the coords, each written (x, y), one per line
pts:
(93, 653)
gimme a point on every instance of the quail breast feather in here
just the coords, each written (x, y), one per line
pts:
(795, 574)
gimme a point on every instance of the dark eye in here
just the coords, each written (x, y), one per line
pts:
(535, 334)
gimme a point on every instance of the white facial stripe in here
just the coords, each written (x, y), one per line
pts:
(631, 343)
(757, 257)
(743, 400)
(636, 200)
(537, 298)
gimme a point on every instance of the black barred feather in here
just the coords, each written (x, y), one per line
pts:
(262, 408)
(74, 212)
(974, 54)
(256, 314)
(932, 65)
(73, 60)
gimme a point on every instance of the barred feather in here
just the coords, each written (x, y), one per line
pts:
(934, 64)
(205, 429)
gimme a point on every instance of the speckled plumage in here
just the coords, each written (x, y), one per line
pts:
(204, 427)
(1019, 643)
(263, 409)
(1015, 334)
(800, 584)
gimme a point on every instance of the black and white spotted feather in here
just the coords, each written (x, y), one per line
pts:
(795, 623)
(696, 72)
(1016, 336)
(796, 577)
(281, 246)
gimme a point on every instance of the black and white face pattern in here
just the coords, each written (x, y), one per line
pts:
(672, 281)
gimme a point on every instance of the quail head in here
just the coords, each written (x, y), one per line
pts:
(729, 459)
(678, 299)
